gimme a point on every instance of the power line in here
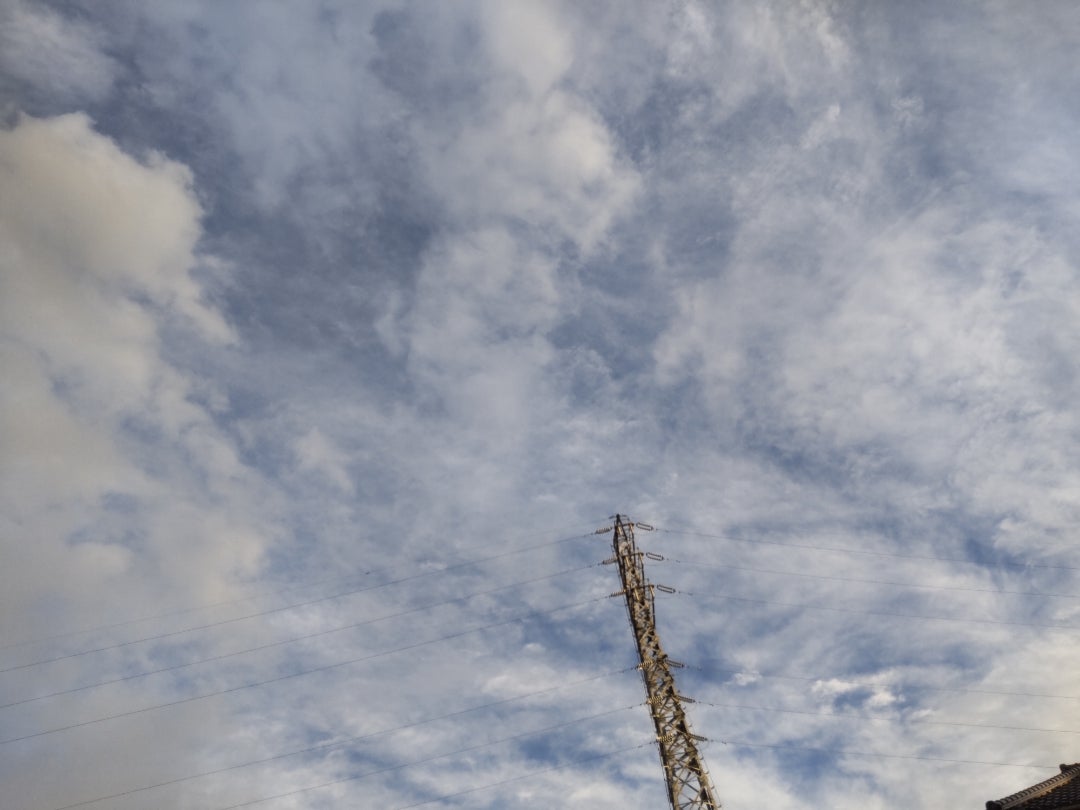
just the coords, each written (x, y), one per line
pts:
(348, 740)
(476, 747)
(749, 569)
(223, 603)
(841, 550)
(736, 743)
(873, 755)
(168, 614)
(873, 684)
(529, 775)
(301, 673)
(295, 639)
(732, 743)
(852, 716)
(862, 612)
(283, 608)
(326, 746)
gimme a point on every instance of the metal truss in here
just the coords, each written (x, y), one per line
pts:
(688, 780)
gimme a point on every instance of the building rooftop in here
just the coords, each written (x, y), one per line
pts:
(1060, 792)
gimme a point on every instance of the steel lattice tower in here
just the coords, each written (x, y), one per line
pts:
(688, 781)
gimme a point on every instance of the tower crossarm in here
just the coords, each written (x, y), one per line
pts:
(688, 780)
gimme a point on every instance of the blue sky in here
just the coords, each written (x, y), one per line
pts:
(315, 300)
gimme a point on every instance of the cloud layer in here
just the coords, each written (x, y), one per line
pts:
(331, 334)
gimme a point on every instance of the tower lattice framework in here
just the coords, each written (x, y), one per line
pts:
(687, 778)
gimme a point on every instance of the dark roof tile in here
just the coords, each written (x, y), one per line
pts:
(1060, 792)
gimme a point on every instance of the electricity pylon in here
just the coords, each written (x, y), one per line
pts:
(687, 779)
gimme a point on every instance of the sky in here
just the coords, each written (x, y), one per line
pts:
(331, 333)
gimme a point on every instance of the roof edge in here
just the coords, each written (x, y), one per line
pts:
(1068, 773)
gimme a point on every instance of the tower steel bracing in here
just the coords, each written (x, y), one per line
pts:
(688, 780)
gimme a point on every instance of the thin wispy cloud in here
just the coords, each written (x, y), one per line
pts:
(330, 335)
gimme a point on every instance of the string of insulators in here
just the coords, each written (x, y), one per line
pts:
(671, 662)
(671, 736)
(645, 527)
(663, 588)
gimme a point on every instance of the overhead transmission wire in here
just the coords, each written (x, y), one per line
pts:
(833, 577)
(346, 741)
(658, 558)
(1003, 693)
(177, 612)
(870, 684)
(851, 716)
(888, 614)
(661, 558)
(920, 721)
(735, 743)
(529, 775)
(303, 637)
(478, 561)
(236, 601)
(844, 550)
(430, 759)
(283, 608)
(349, 740)
(867, 718)
(859, 611)
(301, 673)
(561, 766)
(875, 755)
(920, 617)
(651, 743)
(518, 618)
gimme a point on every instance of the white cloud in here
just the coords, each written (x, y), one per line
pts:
(528, 40)
(769, 270)
(520, 148)
(53, 52)
(546, 162)
(113, 478)
(79, 207)
(315, 452)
